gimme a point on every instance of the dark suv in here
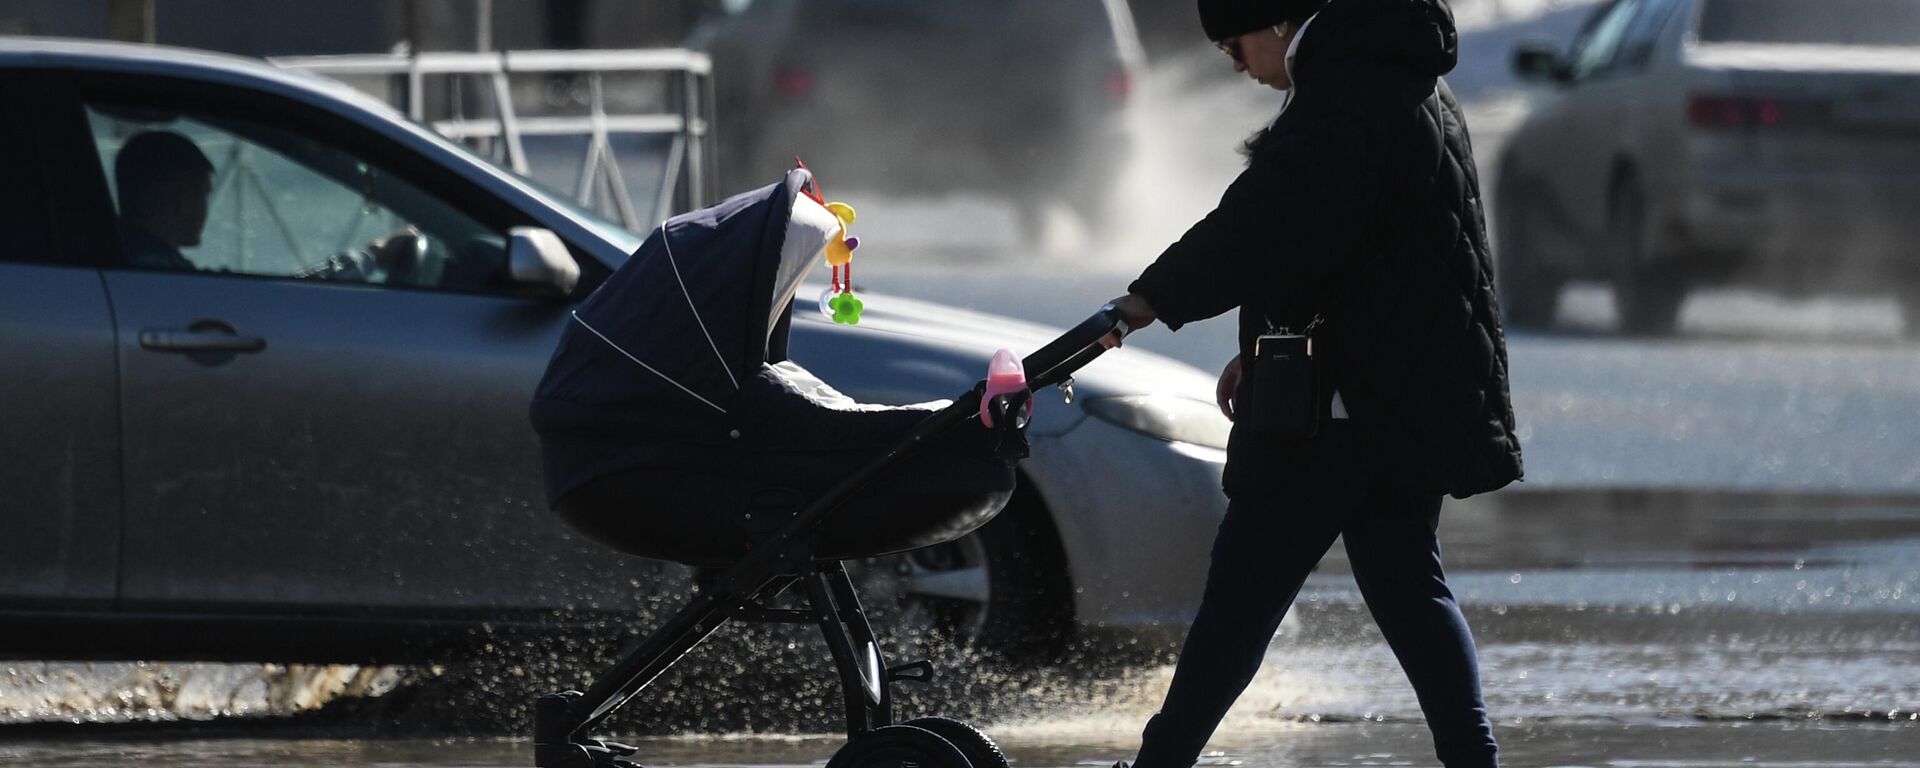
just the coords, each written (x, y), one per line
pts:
(1018, 98)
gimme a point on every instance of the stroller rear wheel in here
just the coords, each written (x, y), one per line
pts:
(979, 748)
(895, 746)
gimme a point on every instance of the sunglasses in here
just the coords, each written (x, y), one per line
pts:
(1230, 46)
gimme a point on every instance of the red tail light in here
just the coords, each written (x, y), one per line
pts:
(1729, 113)
(1120, 84)
(793, 82)
(1716, 112)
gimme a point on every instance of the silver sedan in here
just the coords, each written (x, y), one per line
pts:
(269, 348)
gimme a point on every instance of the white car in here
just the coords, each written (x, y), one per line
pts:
(1688, 143)
(306, 436)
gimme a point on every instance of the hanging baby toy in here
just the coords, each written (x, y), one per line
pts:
(846, 306)
(839, 301)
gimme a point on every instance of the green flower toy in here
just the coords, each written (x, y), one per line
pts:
(846, 308)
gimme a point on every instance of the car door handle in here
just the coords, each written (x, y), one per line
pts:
(202, 336)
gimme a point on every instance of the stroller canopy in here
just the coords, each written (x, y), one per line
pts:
(707, 298)
(664, 348)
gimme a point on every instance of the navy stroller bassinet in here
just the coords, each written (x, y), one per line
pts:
(674, 427)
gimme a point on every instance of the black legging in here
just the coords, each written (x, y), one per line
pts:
(1262, 554)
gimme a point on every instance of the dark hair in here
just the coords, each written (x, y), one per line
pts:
(150, 163)
(1252, 144)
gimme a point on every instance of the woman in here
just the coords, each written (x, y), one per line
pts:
(1359, 206)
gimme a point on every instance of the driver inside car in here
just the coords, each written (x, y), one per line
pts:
(164, 182)
(165, 185)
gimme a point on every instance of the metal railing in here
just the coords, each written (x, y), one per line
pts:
(496, 101)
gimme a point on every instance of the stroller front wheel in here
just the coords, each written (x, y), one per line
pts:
(894, 746)
(979, 748)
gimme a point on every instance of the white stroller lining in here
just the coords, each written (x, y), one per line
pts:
(802, 382)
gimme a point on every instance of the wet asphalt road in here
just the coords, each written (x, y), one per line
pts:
(1629, 745)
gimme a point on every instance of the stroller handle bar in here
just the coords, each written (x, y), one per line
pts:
(1057, 361)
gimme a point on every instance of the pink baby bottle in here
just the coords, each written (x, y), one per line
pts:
(1004, 375)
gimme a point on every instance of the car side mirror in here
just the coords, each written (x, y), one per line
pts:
(1538, 61)
(536, 257)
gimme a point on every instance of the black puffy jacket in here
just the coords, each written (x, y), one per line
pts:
(1361, 203)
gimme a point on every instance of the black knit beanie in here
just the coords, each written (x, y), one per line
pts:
(1232, 18)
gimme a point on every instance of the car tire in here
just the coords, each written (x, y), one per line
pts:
(1000, 589)
(1094, 213)
(1910, 312)
(1647, 292)
(1031, 219)
(1091, 206)
(1031, 614)
(1529, 288)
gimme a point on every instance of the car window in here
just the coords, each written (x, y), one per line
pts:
(1637, 44)
(23, 198)
(1826, 22)
(1594, 52)
(201, 191)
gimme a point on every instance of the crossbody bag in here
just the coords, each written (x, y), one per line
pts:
(1279, 394)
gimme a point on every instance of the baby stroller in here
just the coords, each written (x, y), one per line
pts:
(674, 427)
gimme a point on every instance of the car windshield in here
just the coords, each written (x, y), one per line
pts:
(1827, 22)
(625, 240)
(608, 229)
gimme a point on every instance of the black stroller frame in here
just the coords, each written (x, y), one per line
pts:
(562, 721)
